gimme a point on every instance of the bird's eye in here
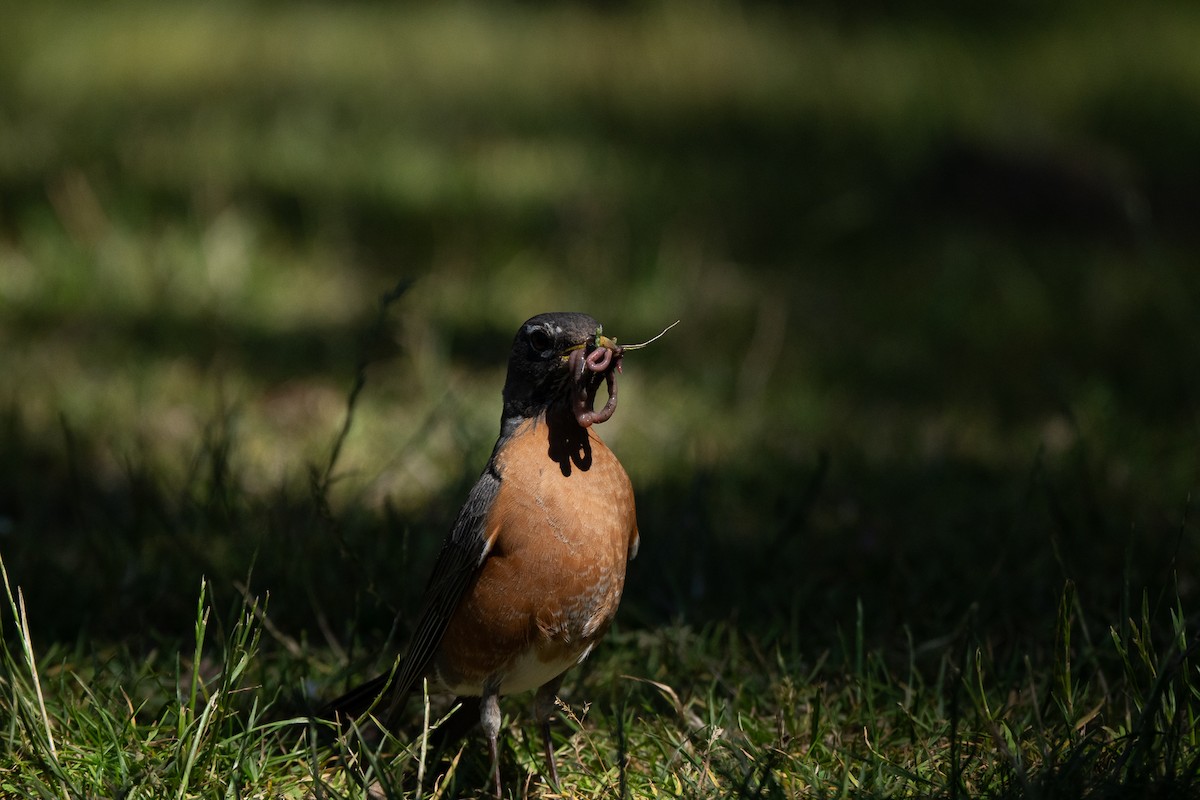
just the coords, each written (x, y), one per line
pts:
(539, 340)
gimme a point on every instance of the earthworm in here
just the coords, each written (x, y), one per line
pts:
(598, 359)
(585, 373)
(586, 369)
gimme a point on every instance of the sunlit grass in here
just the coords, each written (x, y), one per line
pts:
(436, 105)
(712, 712)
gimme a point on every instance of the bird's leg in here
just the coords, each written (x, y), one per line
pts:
(489, 718)
(544, 707)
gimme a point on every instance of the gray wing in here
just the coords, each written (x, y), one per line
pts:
(457, 564)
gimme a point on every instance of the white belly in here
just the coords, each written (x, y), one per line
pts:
(526, 673)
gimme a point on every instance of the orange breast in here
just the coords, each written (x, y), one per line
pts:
(561, 530)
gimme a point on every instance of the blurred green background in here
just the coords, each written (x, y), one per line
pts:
(935, 262)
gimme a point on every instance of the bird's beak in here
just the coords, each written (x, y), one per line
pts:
(600, 341)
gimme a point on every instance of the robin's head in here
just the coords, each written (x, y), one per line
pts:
(560, 358)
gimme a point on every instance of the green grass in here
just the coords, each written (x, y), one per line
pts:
(715, 712)
(915, 475)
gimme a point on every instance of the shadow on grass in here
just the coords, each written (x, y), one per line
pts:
(785, 549)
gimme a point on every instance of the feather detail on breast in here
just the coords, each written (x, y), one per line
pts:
(561, 530)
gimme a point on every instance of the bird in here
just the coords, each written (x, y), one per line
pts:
(530, 576)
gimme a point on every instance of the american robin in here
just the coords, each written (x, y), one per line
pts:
(531, 574)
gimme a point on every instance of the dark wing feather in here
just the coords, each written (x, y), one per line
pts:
(456, 566)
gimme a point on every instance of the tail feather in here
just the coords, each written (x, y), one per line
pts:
(362, 699)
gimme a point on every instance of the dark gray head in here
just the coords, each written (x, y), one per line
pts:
(539, 371)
